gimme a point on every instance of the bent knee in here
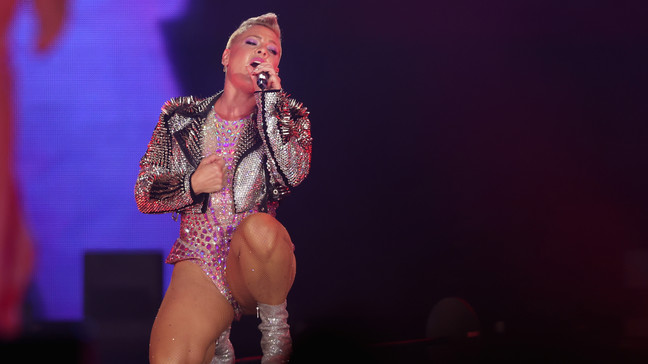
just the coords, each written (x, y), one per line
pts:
(263, 235)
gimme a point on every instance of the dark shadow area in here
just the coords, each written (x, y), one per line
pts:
(490, 151)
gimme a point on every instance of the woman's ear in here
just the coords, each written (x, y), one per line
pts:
(225, 58)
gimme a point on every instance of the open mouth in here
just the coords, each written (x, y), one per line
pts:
(256, 61)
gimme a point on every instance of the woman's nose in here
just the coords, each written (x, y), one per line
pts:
(261, 51)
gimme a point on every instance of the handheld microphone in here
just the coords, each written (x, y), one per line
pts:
(262, 80)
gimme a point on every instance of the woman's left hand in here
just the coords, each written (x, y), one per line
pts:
(274, 82)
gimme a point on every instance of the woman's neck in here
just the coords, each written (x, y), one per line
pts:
(234, 104)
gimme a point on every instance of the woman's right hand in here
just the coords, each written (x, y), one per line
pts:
(209, 176)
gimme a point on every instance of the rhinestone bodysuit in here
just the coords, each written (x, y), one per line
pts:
(205, 238)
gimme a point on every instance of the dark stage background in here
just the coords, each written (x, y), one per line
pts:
(491, 151)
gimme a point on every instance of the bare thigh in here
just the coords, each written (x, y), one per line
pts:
(192, 316)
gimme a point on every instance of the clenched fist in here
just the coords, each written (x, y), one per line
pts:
(209, 176)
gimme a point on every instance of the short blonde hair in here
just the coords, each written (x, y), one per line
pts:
(268, 20)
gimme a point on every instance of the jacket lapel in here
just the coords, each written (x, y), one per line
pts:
(189, 128)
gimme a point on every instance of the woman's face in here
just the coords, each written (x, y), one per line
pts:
(256, 45)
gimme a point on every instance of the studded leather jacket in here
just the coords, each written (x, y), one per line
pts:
(272, 155)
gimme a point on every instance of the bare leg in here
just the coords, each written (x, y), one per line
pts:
(261, 264)
(192, 316)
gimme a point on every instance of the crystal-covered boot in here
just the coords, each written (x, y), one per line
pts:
(224, 353)
(275, 333)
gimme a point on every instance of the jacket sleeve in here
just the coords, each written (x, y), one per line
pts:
(163, 184)
(284, 127)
